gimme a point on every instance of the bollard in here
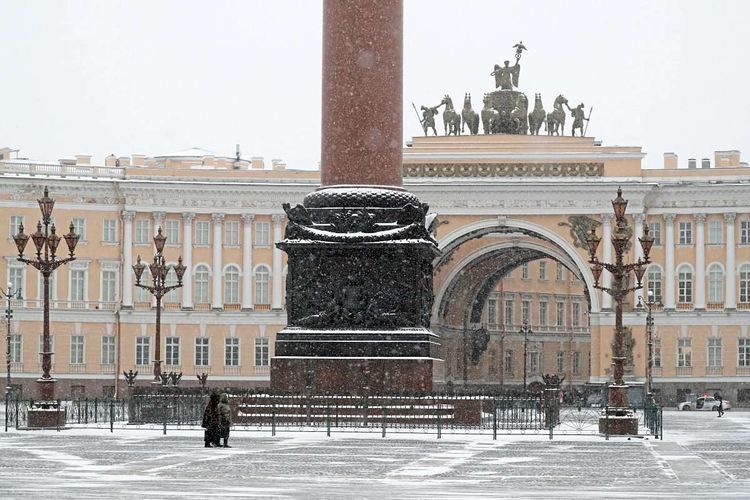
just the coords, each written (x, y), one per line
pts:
(111, 416)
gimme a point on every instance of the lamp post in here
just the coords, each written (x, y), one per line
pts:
(618, 395)
(8, 294)
(649, 343)
(159, 271)
(46, 262)
(525, 331)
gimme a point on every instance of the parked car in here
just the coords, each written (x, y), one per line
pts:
(594, 400)
(708, 403)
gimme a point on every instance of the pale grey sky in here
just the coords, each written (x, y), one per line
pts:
(152, 76)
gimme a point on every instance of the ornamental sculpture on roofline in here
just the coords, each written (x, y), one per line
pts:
(506, 109)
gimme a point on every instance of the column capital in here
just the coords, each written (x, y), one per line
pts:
(669, 218)
(607, 218)
(188, 217)
(700, 218)
(247, 218)
(128, 215)
(278, 219)
(730, 217)
(217, 218)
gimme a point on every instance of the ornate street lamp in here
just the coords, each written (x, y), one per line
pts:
(46, 261)
(159, 271)
(8, 294)
(649, 343)
(618, 404)
(525, 331)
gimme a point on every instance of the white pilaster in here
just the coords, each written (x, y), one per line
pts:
(127, 251)
(637, 233)
(731, 292)
(669, 262)
(217, 301)
(247, 261)
(276, 272)
(700, 261)
(606, 257)
(187, 259)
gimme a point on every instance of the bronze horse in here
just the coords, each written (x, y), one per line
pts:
(489, 114)
(451, 119)
(556, 119)
(518, 115)
(537, 117)
(469, 117)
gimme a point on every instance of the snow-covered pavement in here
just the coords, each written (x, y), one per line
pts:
(700, 454)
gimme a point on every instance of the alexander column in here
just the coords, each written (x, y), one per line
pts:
(359, 283)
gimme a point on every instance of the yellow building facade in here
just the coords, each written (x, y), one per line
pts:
(504, 203)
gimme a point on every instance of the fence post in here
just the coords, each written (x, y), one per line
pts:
(384, 417)
(57, 415)
(606, 422)
(328, 418)
(439, 430)
(86, 409)
(96, 410)
(112, 416)
(494, 419)
(17, 405)
(7, 409)
(164, 413)
(273, 418)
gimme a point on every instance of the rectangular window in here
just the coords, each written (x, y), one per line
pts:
(560, 314)
(232, 233)
(79, 226)
(576, 314)
(714, 352)
(262, 234)
(142, 232)
(76, 349)
(201, 351)
(172, 231)
(560, 361)
(108, 350)
(109, 286)
(172, 351)
(142, 351)
(261, 351)
(508, 312)
(15, 278)
(743, 353)
(543, 271)
(232, 351)
(685, 286)
(534, 361)
(77, 284)
(543, 313)
(560, 272)
(492, 311)
(715, 232)
(15, 225)
(51, 348)
(16, 348)
(684, 352)
(509, 362)
(686, 233)
(657, 353)
(109, 231)
(525, 271)
(526, 311)
(654, 230)
(745, 232)
(201, 232)
(576, 362)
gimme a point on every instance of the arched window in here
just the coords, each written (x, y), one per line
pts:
(175, 296)
(232, 285)
(653, 282)
(745, 283)
(684, 284)
(141, 294)
(262, 275)
(200, 287)
(715, 283)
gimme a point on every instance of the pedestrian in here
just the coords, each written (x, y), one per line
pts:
(720, 408)
(225, 419)
(211, 421)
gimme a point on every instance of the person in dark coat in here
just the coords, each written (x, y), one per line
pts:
(720, 409)
(225, 419)
(211, 421)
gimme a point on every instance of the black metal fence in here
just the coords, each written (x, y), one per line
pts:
(426, 414)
